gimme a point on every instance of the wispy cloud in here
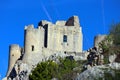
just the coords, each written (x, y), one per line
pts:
(0, 77)
(103, 14)
(46, 12)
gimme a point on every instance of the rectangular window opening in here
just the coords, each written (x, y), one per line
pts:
(32, 48)
(65, 38)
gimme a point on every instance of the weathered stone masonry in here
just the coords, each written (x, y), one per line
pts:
(63, 38)
(45, 40)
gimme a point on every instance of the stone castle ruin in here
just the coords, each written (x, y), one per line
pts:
(43, 41)
(63, 37)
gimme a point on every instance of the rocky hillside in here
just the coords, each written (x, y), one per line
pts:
(103, 72)
(102, 62)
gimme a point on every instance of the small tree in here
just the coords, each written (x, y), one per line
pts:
(115, 33)
(49, 69)
(44, 71)
(111, 44)
(112, 40)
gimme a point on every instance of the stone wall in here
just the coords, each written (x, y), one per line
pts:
(56, 32)
(34, 42)
(98, 39)
(14, 55)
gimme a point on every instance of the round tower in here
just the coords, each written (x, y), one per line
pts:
(33, 43)
(14, 55)
(33, 39)
(98, 39)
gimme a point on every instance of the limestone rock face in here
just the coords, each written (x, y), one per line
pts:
(97, 72)
(115, 65)
(112, 58)
(90, 74)
(21, 69)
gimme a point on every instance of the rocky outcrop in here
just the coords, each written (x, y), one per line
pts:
(112, 58)
(21, 69)
(97, 72)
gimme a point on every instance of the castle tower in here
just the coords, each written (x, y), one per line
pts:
(64, 35)
(14, 55)
(33, 43)
(75, 39)
(77, 33)
(98, 39)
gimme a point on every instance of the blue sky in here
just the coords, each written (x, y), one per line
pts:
(96, 16)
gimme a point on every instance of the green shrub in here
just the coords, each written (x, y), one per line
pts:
(110, 74)
(115, 32)
(49, 69)
(44, 71)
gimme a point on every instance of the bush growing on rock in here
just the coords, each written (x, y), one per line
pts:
(50, 69)
(111, 44)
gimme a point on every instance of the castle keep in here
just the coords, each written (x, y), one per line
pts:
(45, 40)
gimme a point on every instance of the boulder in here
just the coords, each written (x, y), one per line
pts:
(112, 58)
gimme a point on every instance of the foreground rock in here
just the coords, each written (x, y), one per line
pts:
(99, 72)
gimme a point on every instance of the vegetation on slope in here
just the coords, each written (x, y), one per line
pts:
(62, 71)
(115, 33)
(110, 74)
(67, 69)
(111, 45)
